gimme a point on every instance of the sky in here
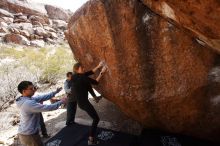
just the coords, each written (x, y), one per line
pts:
(73, 5)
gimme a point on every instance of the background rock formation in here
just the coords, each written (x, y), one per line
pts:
(33, 23)
(158, 73)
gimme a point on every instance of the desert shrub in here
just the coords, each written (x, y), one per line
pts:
(39, 65)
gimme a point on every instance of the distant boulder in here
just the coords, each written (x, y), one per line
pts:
(59, 24)
(3, 24)
(8, 20)
(4, 13)
(57, 13)
(21, 18)
(3, 30)
(36, 23)
(52, 35)
(17, 39)
(2, 35)
(25, 7)
(50, 41)
(49, 29)
(42, 20)
(25, 33)
(40, 31)
(14, 30)
(22, 26)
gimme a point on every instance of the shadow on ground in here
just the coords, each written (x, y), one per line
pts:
(127, 131)
(110, 118)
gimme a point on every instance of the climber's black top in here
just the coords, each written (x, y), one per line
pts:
(81, 85)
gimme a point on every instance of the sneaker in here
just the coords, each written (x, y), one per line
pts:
(94, 142)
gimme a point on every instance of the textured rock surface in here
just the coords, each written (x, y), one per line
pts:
(7, 19)
(17, 6)
(200, 17)
(157, 72)
(16, 38)
(57, 13)
(5, 13)
(60, 24)
(31, 8)
(33, 21)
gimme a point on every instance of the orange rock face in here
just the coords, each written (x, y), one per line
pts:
(200, 17)
(158, 74)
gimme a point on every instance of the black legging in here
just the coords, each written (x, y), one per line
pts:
(71, 112)
(87, 106)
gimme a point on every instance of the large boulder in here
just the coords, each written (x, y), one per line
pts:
(17, 39)
(158, 74)
(200, 17)
(57, 13)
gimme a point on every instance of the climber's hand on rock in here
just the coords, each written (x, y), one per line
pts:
(103, 70)
(101, 63)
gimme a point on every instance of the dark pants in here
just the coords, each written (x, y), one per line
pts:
(71, 112)
(93, 114)
(42, 125)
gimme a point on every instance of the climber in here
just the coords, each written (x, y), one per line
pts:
(81, 85)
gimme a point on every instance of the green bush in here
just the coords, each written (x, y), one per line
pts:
(55, 66)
